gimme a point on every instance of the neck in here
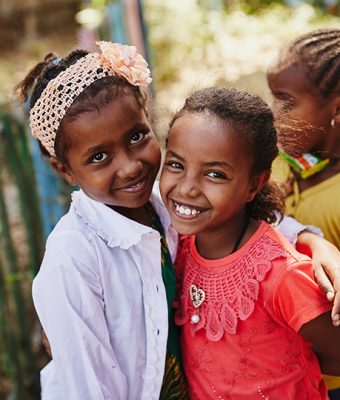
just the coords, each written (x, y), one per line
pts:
(219, 243)
(330, 148)
(136, 214)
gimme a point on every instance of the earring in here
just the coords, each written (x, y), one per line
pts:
(333, 122)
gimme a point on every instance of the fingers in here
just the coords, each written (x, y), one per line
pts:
(331, 294)
(336, 310)
(336, 314)
(323, 281)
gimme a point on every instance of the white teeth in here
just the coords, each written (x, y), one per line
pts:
(137, 184)
(184, 210)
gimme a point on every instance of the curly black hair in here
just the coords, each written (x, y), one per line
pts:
(252, 118)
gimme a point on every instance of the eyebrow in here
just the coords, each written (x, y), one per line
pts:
(94, 149)
(207, 164)
(173, 154)
(135, 128)
(218, 164)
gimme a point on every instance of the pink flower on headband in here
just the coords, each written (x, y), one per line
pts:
(125, 61)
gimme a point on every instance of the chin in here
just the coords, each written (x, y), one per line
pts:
(183, 229)
(133, 203)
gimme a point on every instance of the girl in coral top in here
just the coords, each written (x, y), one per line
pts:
(255, 325)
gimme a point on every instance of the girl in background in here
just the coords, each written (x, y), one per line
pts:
(305, 85)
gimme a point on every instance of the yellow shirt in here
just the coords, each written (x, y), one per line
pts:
(318, 205)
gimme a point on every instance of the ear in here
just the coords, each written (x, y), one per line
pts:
(257, 184)
(63, 170)
(336, 110)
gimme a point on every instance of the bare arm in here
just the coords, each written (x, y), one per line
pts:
(325, 339)
(326, 259)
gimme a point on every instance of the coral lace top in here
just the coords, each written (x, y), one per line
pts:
(241, 316)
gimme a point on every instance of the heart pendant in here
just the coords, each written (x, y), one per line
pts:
(197, 295)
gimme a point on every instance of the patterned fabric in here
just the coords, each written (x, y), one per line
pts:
(174, 385)
(245, 342)
(230, 293)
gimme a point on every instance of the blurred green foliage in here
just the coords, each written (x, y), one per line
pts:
(256, 6)
(197, 43)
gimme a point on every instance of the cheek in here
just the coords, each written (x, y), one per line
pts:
(168, 184)
(164, 184)
(98, 179)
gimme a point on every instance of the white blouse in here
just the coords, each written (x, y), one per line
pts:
(101, 300)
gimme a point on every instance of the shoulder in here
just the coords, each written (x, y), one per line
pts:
(71, 248)
(286, 262)
(297, 299)
(70, 235)
(292, 255)
(291, 289)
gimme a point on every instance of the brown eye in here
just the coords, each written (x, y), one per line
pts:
(137, 137)
(174, 165)
(99, 157)
(216, 175)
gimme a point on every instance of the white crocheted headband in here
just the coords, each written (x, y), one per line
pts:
(61, 92)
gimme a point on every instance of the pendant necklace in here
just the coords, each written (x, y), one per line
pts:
(197, 295)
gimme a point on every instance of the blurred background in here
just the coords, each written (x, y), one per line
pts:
(189, 44)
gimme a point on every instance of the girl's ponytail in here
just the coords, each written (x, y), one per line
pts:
(25, 87)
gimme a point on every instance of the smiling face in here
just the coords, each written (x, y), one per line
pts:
(206, 179)
(113, 154)
(303, 116)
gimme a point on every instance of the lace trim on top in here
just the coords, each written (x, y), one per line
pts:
(230, 290)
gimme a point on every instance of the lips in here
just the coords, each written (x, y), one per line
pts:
(135, 187)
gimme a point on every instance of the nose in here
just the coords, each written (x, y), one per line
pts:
(128, 167)
(188, 187)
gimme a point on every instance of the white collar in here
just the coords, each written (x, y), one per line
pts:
(113, 227)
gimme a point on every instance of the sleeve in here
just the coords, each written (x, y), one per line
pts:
(297, 298)
(67, 294)
(291, 228)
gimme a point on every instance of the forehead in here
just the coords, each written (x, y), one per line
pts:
(292, 79)
(207, 138)
(115, 118)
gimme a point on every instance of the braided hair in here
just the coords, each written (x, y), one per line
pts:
(252, 118)
(319, 54)
(99, 94)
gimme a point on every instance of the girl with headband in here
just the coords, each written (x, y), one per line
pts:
(106, 284)
(105, 289)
